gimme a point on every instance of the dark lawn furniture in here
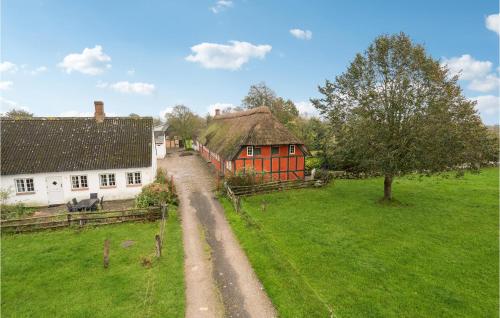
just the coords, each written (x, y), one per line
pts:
(87, 204)
(70, 207)
(74, 201)
(93, 195)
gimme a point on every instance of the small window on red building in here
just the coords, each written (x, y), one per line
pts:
(292, 149)
(275, 150)
(256, 151)
(249, 151)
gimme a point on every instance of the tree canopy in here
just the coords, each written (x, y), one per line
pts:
(261, 95)
(396, 110)
(184, 122)
(18, 114)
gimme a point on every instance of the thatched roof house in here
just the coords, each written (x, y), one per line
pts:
(256, 135)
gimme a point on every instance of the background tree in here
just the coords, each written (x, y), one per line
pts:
(156, 121)
(261, 95)
(184, 122)
(18, 114)
(397, 110)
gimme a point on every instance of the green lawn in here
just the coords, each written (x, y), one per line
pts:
(435, 254)
(61, 274)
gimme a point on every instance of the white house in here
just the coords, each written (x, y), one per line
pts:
(49, 161)
(160, 140)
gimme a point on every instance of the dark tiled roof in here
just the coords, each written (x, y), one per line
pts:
(72, 144)
(227, 133)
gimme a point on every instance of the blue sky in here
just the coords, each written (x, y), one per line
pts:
(146, 56)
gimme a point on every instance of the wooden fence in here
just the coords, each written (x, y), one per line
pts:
(79, 219)
(235, 192)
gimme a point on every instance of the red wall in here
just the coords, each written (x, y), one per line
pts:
(283, 165)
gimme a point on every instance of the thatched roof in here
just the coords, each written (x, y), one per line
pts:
(227, 133)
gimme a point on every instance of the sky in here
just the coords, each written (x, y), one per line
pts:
(144, 57)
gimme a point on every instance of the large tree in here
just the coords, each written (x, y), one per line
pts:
(184, 122)
(396, 110)
(18, 114)
(261, 95)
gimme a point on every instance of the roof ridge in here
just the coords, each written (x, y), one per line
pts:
(249, 112)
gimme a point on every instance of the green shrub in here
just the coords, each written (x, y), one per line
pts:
(155, 194)
(18, 210)
(314, 163)
(161, 176)
(247, 178)
(323, 175)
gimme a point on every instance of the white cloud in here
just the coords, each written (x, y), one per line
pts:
(90, 61)
(478, 73)
(301, 34)
(8, 67)
(306, 108)
(486, 84)
(467, 67)
(221, 106)
(5, 85)
(493, 23)
(488, 106)
(129, 88)
(39, 70)
(221, 5)
(229, 57)
(165, 112)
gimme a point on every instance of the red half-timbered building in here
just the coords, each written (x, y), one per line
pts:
(253, 141)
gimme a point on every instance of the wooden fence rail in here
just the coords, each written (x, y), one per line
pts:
(234, 193)
(79, 219)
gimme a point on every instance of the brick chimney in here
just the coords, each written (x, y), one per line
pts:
(99, 111)
(217, 112)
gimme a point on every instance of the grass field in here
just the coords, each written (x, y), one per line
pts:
(61, 274)
(435, 254)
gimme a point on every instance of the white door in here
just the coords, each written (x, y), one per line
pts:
(55, 190)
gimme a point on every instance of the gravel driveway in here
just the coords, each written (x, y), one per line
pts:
(220, 281)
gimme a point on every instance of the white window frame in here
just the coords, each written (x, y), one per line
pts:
(290, 149)
(136, 178)
(23, 182)
(79, 183)
(107, 178)
(249, 151)
(229, 165)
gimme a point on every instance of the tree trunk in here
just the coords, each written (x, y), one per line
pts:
(388, 187)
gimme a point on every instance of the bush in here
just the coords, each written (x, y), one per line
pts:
(323, 175)
(161, 176)
(314, 163)
(248, 178)
(155, 194)
(15, 211)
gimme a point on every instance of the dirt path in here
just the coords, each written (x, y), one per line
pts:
(220, 281)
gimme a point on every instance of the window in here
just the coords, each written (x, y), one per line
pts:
(292, 149)
(257, 151)
(79, 182)
(25, 185)
(275, 150)
(249, 151)
(108, 180)
(133, 178)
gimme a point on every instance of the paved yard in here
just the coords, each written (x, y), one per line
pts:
(219, 279)
(108, 205)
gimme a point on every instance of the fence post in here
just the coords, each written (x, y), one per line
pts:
(158, 245)
(106, 253)
(69, 219)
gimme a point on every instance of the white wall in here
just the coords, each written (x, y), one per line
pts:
(161, 150)
(40, 198)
